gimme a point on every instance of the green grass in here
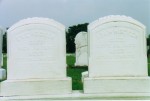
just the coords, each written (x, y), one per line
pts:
(5, 63)
(148, 69)
(149, 66)
(75, 73)
(70, 60)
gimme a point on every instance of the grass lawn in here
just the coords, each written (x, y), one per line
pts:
(75, 72)
(5, 62)
(149, 66)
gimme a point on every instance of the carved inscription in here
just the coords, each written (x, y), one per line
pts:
(36, 46)
(116, 42)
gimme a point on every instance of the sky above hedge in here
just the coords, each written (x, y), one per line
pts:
(72, 12)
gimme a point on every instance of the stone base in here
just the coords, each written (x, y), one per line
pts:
(35, 87)
(116, 85)
(84, 75)
(79, 95)
(2, 74)
(80, 64)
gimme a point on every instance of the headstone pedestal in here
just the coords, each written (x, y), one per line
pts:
(117, 57)
(36, 59)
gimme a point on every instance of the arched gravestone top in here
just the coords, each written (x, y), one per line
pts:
(81, 39)
(36, 49)
(117, 47)
(114, 18)
(36, 61)
(37, 20)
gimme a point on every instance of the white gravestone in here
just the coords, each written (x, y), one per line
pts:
(2, 71)
(36, 59)
(117, 56)
(81, 49)
(2, 60)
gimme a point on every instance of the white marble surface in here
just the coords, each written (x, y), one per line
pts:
(32, 87)
(78, 95)
(36, 51)
(117, 47)
(117, 57)
(81, 49)
(116, 85)
(2, 74)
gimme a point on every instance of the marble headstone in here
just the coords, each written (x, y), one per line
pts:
(117, 56)
(81, 49)
(2, 71)
(36, 59)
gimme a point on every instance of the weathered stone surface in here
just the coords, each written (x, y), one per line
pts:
(32, 87)
(79, 95)
(81, 49)
(2, 74)
(36, 44)
(117, 85)
(36, 51)
(117, 56)
(117, 47)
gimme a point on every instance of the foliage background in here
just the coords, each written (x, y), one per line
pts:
(71, 33)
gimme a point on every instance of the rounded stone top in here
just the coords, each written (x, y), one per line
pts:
(114, 18)
(81, 39)
(80, 34)
(37, 20)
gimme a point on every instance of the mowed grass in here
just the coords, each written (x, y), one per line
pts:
(75, 73)
(5, 62)
(149, 66)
